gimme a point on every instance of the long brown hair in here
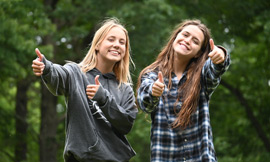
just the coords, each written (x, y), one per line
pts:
(189, 91)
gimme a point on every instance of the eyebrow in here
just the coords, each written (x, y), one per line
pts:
(192, 36)
(115, 37)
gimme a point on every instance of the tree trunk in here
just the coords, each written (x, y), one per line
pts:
(48, 128)
(250, 114)
(21, 122)
(49, 117)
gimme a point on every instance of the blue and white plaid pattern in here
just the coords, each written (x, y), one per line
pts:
(193, 144)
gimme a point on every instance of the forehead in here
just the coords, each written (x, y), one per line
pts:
(117, 32)
(194, 31)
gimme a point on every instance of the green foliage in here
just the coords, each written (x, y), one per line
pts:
(22, 22)
(7, 121)
(139, 137)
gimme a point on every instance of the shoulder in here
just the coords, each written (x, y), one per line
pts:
(72, 67)
(74, 70)
(150, 74)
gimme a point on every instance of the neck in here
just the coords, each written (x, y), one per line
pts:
(180, 65)
(104, 67)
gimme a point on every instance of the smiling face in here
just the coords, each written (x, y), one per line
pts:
(113, 47)
(188, 42)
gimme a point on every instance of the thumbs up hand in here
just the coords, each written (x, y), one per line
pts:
(37, 65)
(217, 55)
(158, 86)
(40, 56)
(92, 89)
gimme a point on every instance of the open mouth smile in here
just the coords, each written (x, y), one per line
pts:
(114, 52)
(182, 44)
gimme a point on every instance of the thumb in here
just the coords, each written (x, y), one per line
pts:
(212, 45)
(96, 80)
(39, 54)
(160, 77)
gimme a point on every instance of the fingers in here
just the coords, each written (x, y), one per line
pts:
(157, 91)
(39, 54)
(218, 60)
(160, 77)
(158, 86)
(215, 58)
(96, 80)
(213, 48)
(212, 44)
(38, 67)
(216, 55)
(92, 89)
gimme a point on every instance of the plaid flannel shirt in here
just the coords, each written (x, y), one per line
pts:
(193, 144)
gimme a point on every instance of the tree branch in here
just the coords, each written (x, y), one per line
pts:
(249, 112)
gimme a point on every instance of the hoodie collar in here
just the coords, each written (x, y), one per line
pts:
(109, 75)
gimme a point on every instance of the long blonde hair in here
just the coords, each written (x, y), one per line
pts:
(121, 68)
(189, 92)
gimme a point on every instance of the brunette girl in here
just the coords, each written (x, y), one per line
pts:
(176, 89)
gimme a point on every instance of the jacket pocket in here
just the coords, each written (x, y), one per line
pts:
(108, 147)
(95, 147)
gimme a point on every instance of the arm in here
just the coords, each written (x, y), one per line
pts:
(121, 115)
(212, 72)
(54, 76)
(146, 100)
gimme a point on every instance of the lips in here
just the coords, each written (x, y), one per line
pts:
(182, 44)
(114, 52)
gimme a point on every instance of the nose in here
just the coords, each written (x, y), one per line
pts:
(116, 44)
(187, 40)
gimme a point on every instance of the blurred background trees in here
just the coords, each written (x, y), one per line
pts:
(32, 120)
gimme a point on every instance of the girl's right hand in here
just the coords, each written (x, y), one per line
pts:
(158, 86)
(37, 65)
(92, 89)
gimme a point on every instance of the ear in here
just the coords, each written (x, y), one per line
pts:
(97, 47)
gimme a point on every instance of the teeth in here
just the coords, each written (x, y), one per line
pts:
(115, 52)
(184, 46)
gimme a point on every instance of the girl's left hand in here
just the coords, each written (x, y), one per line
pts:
(92, 89)
(217, 55)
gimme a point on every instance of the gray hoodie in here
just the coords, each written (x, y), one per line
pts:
(95, 129)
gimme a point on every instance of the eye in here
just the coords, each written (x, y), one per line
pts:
(185, 34)
(122, 42)
(110, 39)
(196, 41)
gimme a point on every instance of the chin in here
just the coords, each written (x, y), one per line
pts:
(115, 60)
